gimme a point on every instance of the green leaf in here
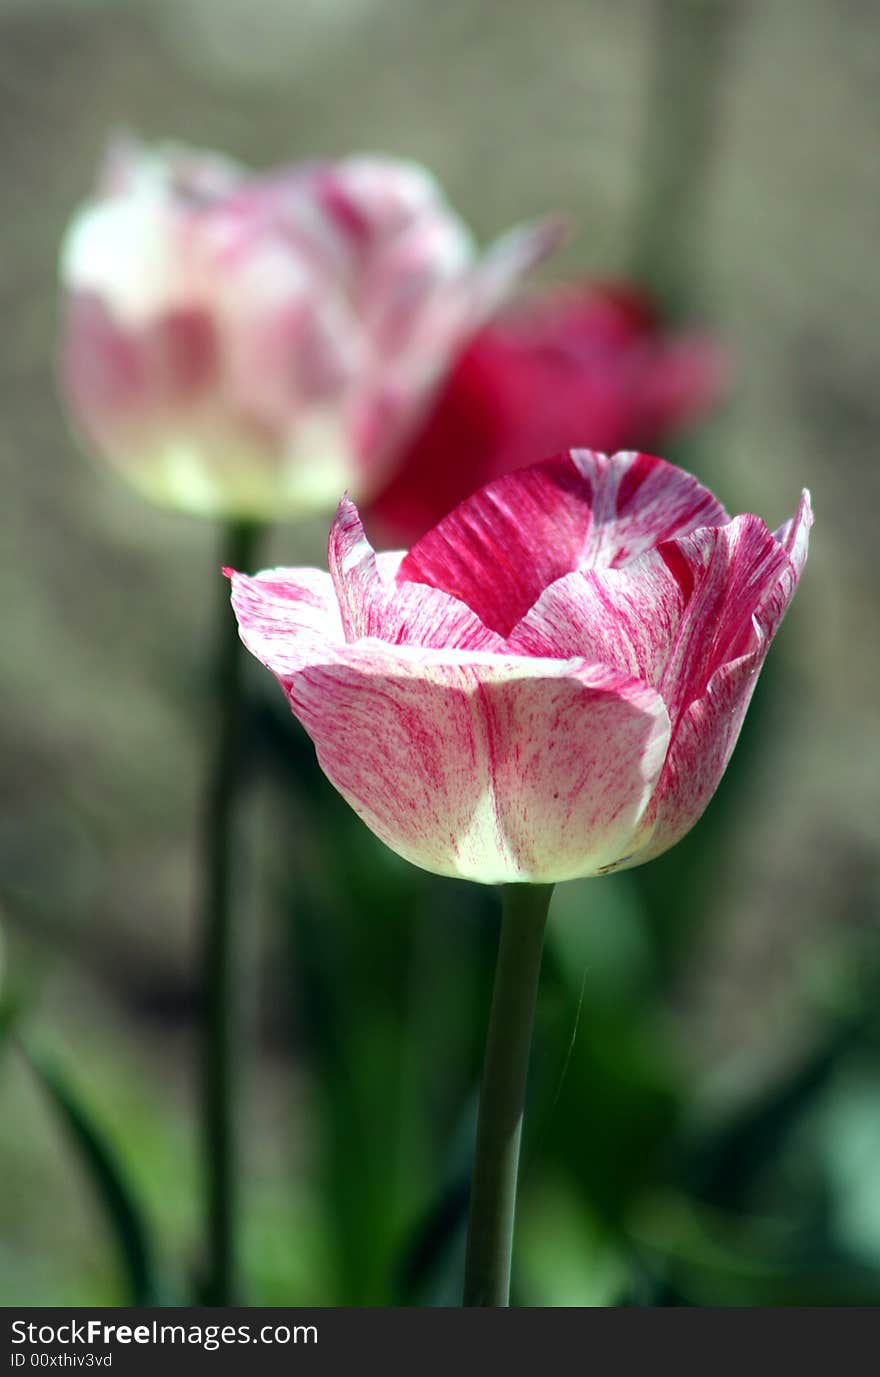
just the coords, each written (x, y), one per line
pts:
(106, 1173)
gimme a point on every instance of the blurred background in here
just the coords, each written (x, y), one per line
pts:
(704, 1116)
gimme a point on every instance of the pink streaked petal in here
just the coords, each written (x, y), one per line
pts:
(794, 535)
(194, 177)
(724, 574)
(388, 562)
(701, 747)
(573, 764)
(438, 621)
(637, 501)
(496, 771)
(625, 617)
(352, 561)
(105, 369)
(503, 546)
(399, 614)
(371, 196)
(704, 736)
(499, 549)
(287, 618)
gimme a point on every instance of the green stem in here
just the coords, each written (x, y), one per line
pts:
(493, 1193)
(221, 1015)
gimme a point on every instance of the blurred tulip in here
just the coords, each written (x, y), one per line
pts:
(588, 366)
(247, 346)
(551, 682)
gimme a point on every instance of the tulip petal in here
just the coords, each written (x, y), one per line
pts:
(674, 615)
(127, 254)
(488, 768)
(573, 764)
(724, 573)
(404, 614)
(698, 756)
(287, 618)
(794, 535)
(705, 734)
(626, 618)
(504, 545)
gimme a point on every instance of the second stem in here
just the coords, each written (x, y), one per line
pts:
(219, 995)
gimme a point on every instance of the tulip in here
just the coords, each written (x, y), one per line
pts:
(588, 365)
(550, 683)
(246, 346)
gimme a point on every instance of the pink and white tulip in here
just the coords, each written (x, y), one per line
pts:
(248, 346)
(551, 682)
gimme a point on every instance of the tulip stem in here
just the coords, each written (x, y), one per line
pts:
(220, 1005)
(502, 1097)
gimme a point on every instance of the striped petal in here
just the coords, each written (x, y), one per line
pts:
(399, 614)
(707, 730)
(794, 535)
(674, 615)
(287, 618)
(724, 574)
(491, 769)
(627, 618)
(502, 547)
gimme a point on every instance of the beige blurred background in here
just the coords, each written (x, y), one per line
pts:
(518, 108)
